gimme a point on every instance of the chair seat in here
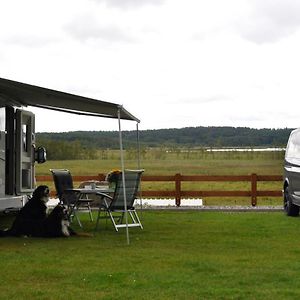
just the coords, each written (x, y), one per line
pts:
(85, 200)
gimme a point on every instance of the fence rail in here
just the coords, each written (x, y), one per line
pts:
(178, 193)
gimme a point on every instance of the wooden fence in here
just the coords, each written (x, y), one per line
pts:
(178, 193)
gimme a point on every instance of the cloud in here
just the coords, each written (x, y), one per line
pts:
(208, 99)
(29, 40)
(125, 4)
(88, 27)
(270, 21)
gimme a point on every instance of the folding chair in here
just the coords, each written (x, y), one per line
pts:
(74, 199)
(114, 205)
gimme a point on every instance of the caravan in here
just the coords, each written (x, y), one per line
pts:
(18, 155)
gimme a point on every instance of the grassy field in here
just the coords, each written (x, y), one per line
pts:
(193, 163)
(178, 255)
(236, 163)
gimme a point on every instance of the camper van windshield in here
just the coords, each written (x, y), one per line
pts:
(2, 118)
(293, 149)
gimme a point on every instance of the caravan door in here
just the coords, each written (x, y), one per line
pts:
(25, 146)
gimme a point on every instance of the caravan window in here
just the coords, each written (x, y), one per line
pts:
(2, 118)
(25, 137)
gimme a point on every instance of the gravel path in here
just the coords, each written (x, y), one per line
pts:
(218, 208)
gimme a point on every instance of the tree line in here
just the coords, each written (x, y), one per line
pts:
(85, 144)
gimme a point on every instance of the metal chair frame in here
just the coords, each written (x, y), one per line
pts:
(112, 205)
(74, 199)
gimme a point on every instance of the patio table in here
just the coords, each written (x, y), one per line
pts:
(85, 192)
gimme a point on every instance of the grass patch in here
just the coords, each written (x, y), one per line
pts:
(172, 165)
(179, 255)
(231, 163)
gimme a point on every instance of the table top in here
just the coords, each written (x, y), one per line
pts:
(97, 190)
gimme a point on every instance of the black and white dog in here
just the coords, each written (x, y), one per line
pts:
(57, 223)
(32, 219)
(33, 212)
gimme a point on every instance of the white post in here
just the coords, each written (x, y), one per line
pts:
(123, 175)
(138, 146)
(139, 164)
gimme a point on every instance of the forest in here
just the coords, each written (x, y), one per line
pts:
(86, 144)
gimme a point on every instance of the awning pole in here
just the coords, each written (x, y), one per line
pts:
(139, 164)
(123, 175)
(138, 146)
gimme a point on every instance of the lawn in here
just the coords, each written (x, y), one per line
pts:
(231, 163)
(240, 163)
(178, 255)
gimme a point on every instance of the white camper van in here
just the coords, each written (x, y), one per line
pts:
(17, 156)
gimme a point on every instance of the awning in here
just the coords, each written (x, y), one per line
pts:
(21, 94)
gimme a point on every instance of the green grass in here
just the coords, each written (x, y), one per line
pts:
(212, 164)
(178, 255)
(235, 163)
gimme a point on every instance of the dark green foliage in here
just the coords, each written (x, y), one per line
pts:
(62, 150)
(184, 137)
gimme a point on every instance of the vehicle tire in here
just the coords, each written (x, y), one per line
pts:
(290, 208)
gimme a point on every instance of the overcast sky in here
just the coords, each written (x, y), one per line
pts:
(171, 63)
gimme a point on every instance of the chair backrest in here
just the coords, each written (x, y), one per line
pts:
(132, 183)
(62, 180)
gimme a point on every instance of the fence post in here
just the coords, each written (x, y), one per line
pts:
(101, 177)
(254, 189)
(177, 189)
